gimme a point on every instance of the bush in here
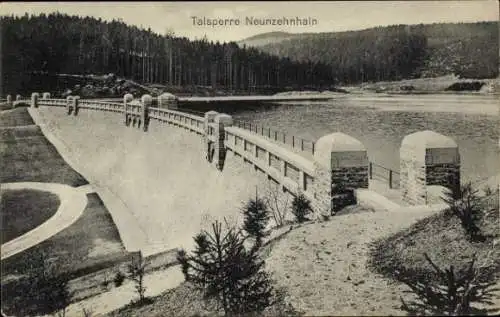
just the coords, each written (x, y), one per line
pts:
(301, 207)
(451, 294)
(225, 271)
(277, 202)
(465, 203)
(256, 218)
(119, 278)
(136, 271)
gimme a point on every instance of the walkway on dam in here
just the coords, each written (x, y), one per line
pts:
(73, 203)
(376, 185)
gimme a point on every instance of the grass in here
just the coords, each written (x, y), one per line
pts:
(24, 210)
(28, 156)
(401, 256)
(90, 244)
(15, 117)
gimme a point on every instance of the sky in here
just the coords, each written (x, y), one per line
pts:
(331, 16)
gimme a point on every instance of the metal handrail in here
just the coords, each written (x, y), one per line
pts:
(389, 178)
(293, 141)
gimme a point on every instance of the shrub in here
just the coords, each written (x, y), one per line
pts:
(119, 278)
(465, 203)
(224, 270)
(277, 202)
(256, 218)
(451, 294)
(301, 207)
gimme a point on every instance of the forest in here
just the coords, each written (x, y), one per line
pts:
(56, 44)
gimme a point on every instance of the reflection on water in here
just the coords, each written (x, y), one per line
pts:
(381, 124)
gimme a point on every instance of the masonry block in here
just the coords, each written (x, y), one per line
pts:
(168, 101)
(427, 158)
(207, 122)
(146, 102)
(221, 121)
(341, 166)
(126, 99)
(34, 99)
(46, 95)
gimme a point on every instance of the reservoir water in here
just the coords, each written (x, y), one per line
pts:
(382, 121)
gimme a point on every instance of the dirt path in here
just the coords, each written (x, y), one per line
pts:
(323, 265)
(73, 203)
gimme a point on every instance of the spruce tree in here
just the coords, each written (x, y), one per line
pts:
(301, 207)
(256, 218)
(227, 272)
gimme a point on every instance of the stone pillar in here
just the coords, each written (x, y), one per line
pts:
(340, 167)
(221, 121)
(69, 105)
(427, 158)
(167, 101)
(209, 118)
(46, 95)
(75, 100)
(126, 99)
(34, 100)
(18, 97)
(146, 102)
(9, 101)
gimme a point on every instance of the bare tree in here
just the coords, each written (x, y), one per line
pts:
(136, 271)
(278, 203)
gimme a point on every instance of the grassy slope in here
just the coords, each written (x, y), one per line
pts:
(24, 210)
(88, 245)
(27, 156)
(91, 243)
(444, 240)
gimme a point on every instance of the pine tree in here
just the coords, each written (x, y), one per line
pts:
(227, 272)
(301, 207)
(256, 217)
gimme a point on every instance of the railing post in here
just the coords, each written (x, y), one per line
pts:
(221, 121)
(18, 97)
(313, 149)
(390, 179)
(284, 137)
(46, 95)
(146, 101)
(275, 135)
(293, 141)
(9, 101)
(302, 144)
(370, 170)
(69, 105)
(75, 104)
(34, 100)
(126, 99)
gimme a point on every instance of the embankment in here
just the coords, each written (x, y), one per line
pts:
(162, 176)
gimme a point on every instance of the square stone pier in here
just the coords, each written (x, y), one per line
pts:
(427, 158)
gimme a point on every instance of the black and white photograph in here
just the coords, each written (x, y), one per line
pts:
(250, 158)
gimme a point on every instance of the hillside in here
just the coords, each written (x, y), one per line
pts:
(394, 52)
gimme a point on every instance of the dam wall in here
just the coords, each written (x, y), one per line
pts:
(330, 179)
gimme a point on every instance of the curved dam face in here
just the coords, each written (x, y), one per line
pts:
(162, 176)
